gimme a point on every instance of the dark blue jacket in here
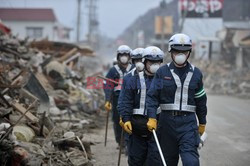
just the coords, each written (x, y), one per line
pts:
(163, 89)
(130, 96)
(124, 84)
(108, 86)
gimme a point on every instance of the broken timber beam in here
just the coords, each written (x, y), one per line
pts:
(22, 110)
(68, 54)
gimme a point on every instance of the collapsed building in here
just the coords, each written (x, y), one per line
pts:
(45, 107)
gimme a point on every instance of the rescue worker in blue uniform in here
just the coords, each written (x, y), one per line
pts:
(112, 91)
(142, 147)
(178, 89)
(136, 59)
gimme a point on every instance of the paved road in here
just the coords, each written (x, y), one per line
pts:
(228, 142)
(228, 131)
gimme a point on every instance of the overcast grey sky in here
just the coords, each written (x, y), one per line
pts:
(114, 15)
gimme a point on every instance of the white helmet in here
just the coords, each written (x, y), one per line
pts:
(124, 49)
(153, 53)
(137, 53)
(180, 42)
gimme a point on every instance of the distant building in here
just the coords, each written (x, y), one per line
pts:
(201, 18)
(61, 32)
(34, 23)
(235, 33)
(236, 10)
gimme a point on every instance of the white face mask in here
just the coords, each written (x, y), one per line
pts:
(180, 58)
(139, 66)
(154, 67)
(124, 59)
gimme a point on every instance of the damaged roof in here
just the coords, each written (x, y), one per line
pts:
(27, 14)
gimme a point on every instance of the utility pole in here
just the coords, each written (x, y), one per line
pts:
(183, 17)
(78, 20)
(92, 22)
(163, 5)
(163, 33)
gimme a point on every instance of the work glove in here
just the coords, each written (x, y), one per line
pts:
(152, 123)
(201, 128)
(121, 122)
(108, 106)
(128, 127)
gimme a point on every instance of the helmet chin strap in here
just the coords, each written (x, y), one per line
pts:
(146, 70)
(122, 65)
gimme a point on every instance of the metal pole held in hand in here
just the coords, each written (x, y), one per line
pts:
(159, 148)
(106, 130)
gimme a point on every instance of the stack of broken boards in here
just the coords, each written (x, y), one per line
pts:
(45, 107)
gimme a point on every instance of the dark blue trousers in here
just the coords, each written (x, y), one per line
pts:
(142, 151)
(178, 135)
(116, 119)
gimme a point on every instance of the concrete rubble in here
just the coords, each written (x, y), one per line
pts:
(223, 78)
(45, 107)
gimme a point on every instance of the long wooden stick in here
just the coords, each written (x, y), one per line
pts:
(107, 79)
(12, 126)
(106, 130)
(121, 146)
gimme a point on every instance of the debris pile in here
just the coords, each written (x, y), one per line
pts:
(223, 78)
(45, 107)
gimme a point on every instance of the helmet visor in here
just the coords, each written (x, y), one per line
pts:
(137, 56)
(179, 47)
(154, 57)
(123, 52)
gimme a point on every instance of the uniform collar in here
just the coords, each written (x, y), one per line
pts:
(148, 76)
(124, 69)
(145, 75)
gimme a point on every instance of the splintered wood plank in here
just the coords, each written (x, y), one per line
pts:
(68, 54)
(22, 110)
